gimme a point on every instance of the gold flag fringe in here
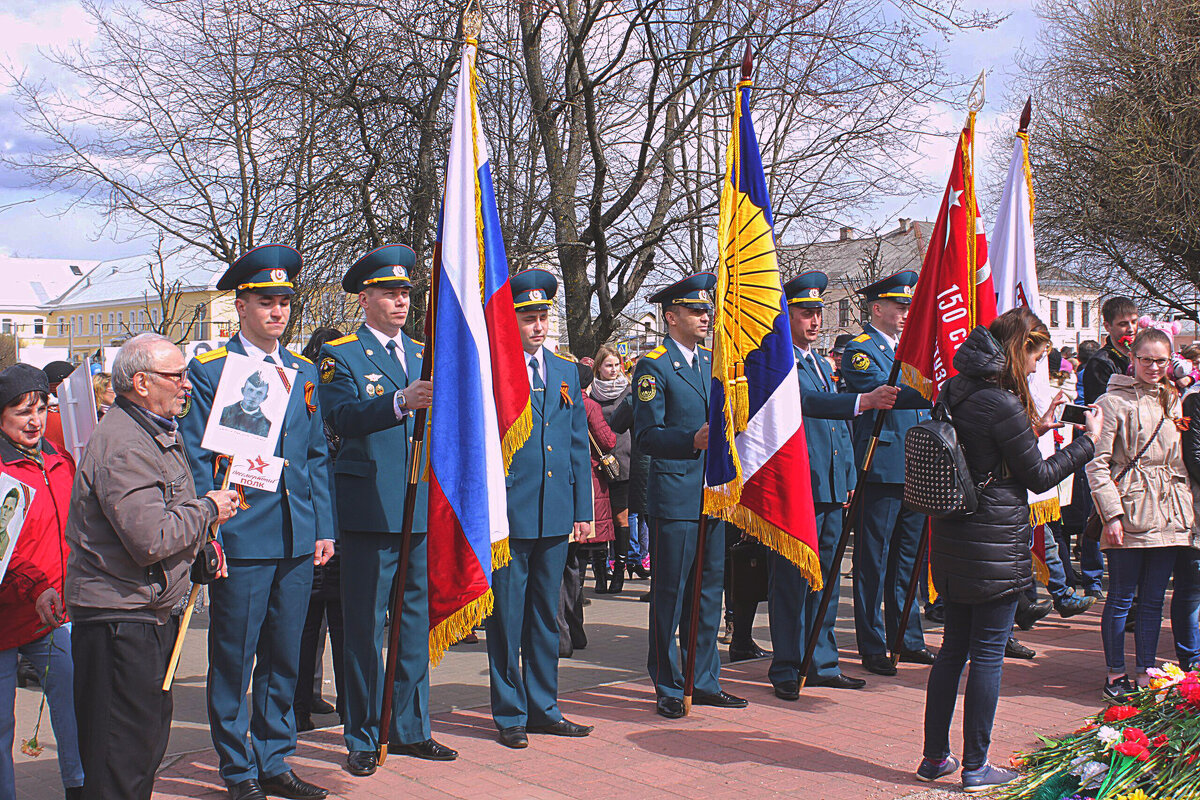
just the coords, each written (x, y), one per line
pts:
(516, 436)
(1044, 511)
(501, 554)
(1041, 573)
(913, 377)
(804, 557)
(454, 628)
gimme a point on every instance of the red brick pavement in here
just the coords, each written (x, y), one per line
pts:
(829, 744)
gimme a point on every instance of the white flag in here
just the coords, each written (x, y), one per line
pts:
(1015, 271)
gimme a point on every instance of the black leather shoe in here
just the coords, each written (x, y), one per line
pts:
(669, 707)
(1014, 649)
(428, 750)
(720, 700)
(788, 690)
(563, 727)
(288, 785)
(246, 790)
(922, 656)
(362, 762)
(880, 665)
(514, 737)
(322, 706)
(839, 681)
(1028, 616)
(746, 654)
(304, 724)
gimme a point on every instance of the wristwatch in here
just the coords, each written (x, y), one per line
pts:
(400, 398)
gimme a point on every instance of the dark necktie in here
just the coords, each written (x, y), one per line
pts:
(536, 383)
(395, 351)
(812, 362)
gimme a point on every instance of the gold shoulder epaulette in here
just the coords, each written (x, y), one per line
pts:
(302, 358)
(865, 337)
(656, 352)
(211, 355)
(344, 340)
(566, 357)
(706, 349)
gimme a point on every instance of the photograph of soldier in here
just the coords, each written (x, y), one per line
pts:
(246, 415)
(8, 510)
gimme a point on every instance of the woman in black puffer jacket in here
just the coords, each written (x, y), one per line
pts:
(981, 562)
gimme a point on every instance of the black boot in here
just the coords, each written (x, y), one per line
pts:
(600, 567)
(616, 581)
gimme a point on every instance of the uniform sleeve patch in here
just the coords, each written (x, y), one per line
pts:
(647, 388)
(860, 361)
(326, 369)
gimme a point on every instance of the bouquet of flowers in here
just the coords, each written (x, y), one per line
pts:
(1147, 749)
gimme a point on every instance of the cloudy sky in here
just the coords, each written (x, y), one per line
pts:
(35, 225)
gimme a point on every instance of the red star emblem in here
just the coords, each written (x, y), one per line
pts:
(257, 464)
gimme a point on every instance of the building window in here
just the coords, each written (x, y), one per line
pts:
(1085, 314)
(39, 326)
(120, 322)
(110, 322)
(91, 323)
(154, 316)
(1053, 313)
(1070, 313)
(62, 327)
(843, 312)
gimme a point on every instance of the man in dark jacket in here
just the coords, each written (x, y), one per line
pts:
(1119, 316)
(135, 527)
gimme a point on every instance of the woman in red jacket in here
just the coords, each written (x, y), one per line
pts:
(32, 619)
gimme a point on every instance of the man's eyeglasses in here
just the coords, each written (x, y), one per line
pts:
(1153, 362)
(174, 377)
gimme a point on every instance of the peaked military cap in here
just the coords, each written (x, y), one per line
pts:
(533, 289)
(839, 344)
(694, 291)
(898, 287)
(386, 267)
(269, 269)
(805, 289)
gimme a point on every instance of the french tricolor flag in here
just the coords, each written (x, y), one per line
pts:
(479, 382)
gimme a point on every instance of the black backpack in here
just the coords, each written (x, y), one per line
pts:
(937, 480)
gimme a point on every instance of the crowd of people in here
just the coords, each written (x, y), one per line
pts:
(610, 478)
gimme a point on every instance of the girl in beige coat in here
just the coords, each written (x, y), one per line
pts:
(1147, 513)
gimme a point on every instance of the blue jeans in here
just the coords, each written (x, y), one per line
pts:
(60, 687)
(635, 551)
(1144, 572)
(1056, 584)
(978, 632)
(1185, 607)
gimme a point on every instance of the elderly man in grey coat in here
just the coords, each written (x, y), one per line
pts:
(135, 526)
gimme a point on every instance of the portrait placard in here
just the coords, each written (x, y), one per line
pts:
(248, 408)
(15, 498)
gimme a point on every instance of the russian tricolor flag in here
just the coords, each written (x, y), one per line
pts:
(481, 397)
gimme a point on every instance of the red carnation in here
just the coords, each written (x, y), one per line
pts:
(1137, 735)
(1118, 713)
(1133, 749)
(1159, 741)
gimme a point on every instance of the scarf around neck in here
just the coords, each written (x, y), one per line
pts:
(609, 390)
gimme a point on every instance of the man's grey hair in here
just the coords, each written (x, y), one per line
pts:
(136, 355)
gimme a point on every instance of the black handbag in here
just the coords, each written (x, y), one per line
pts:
(610, 470)
(749, 572)
(1094, 527)
(207, 565)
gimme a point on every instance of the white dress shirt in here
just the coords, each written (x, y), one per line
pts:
(807, 353)
(258, 354)
(540, 357)
(689, 353)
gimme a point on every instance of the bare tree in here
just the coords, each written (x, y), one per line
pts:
(8, 350)
(1116, 122)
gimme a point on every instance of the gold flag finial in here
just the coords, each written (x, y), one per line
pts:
(472, 20)
(977, 96)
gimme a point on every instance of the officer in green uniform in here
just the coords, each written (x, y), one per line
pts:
(832, 472)
(370, 385)
(257, 613)
(670, 420)
(549, 492)
(888, 535)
